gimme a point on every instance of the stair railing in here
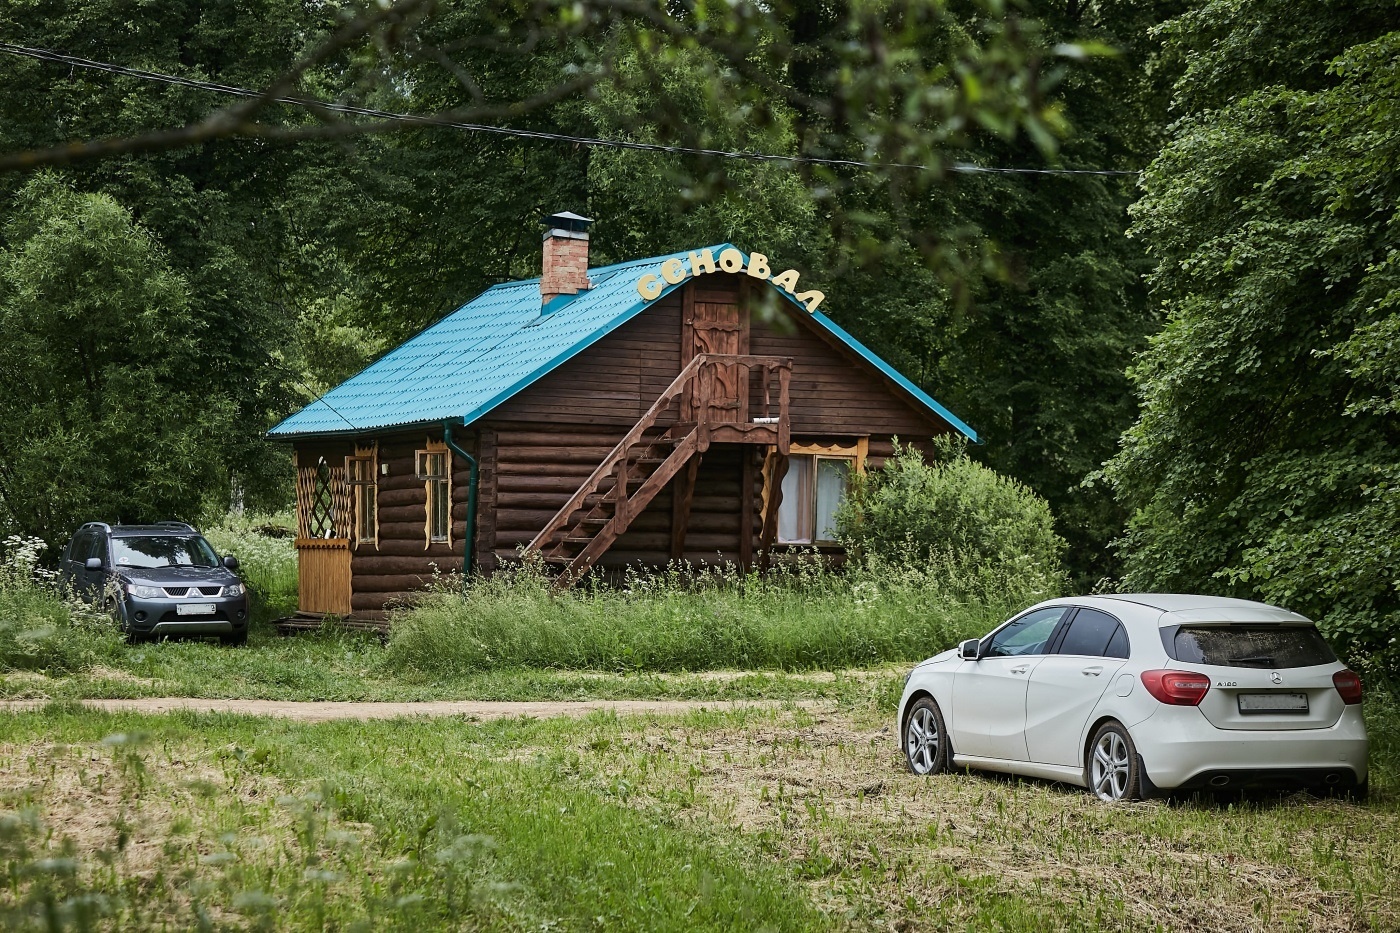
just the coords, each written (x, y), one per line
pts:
(618, 456)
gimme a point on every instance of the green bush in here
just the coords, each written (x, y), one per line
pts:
(803, 617)
(40, 629)
(954, 511)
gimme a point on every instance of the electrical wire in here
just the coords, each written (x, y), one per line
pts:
(445, 122)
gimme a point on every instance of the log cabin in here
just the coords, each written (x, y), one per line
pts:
(693, 407)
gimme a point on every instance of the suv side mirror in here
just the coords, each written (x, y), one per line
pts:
(970, 649)
(231, 562)
(92, 563)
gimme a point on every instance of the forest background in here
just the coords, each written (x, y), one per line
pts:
(1197, 367)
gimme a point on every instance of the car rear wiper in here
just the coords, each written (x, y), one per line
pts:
(1260, 659)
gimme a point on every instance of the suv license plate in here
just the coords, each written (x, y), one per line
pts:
(1273, 702)
(195, 609)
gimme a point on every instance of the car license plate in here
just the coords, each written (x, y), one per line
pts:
(1273, 702)
(195, 609)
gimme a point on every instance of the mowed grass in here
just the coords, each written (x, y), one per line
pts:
(789, 819)
(332, 665)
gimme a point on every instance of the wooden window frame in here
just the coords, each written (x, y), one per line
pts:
(364, 461)
(443, 482)
(854, 452)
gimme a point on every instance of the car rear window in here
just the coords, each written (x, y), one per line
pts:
(1271, 646)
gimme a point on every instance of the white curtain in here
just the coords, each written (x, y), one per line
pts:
(795, 512)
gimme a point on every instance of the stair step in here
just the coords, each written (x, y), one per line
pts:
(596, 522)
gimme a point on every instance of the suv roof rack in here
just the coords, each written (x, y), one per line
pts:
(185, 525)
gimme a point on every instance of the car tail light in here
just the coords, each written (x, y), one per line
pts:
(1176, 688)
(1348, 684)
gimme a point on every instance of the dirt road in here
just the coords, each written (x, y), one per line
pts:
(468, 709)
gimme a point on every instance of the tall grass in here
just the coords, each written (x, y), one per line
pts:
(41, 628)
(267, 559)
(804, 617)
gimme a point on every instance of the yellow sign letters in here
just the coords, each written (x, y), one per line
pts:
(673, 272)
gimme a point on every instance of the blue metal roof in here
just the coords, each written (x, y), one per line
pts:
(499, 343)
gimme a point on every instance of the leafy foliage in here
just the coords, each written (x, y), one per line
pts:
(107, 409)
(1264, 463)
(953, 510)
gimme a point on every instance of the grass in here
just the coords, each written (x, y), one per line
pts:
(779, 819)
(792, 818)
(344, 667)
(804, 618)
(264, 546)
(720, 635)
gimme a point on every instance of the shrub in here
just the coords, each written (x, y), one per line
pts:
(953, 511)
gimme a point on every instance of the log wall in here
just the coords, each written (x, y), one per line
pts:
(403, 562)
(612, 382)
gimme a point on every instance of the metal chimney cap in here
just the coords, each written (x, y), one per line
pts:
(568, 220)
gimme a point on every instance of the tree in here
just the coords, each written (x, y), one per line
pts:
(1264, 463)
(107, 412)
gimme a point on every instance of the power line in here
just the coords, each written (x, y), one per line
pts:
(444, 122)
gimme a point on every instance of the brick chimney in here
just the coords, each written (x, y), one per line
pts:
(565, 256)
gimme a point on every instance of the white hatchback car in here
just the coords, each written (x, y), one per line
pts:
(1138, 695)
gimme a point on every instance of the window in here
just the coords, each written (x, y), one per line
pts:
(360, 470)
(77, 548)
(433, 465)
(1027, 635)
(148, 552)
(813, 488)
(1094, 634)
(1251, 646)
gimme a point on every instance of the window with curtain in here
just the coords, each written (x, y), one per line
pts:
(813, 488)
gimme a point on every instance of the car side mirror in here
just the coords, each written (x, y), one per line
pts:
(231, 562)
(970, 650)
(92, 563)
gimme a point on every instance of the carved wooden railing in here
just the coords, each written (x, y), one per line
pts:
(618, 454)
(688, 440)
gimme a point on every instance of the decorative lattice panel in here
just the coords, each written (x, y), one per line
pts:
(317, 504)
(342, 515)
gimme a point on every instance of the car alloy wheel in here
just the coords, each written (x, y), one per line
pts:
(925, 749)
(1113, 764)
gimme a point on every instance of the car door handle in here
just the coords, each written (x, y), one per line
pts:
(1020, 668)
(1093, 671)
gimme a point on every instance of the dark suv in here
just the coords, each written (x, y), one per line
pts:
(158, 580)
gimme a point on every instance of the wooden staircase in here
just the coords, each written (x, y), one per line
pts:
(649, 456)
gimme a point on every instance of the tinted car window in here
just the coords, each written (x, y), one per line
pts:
(1089, 633)
(1118, 644)
(96, 546)
(77, 548)
(1251, 646)
(1027, 635)
(150, 551)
